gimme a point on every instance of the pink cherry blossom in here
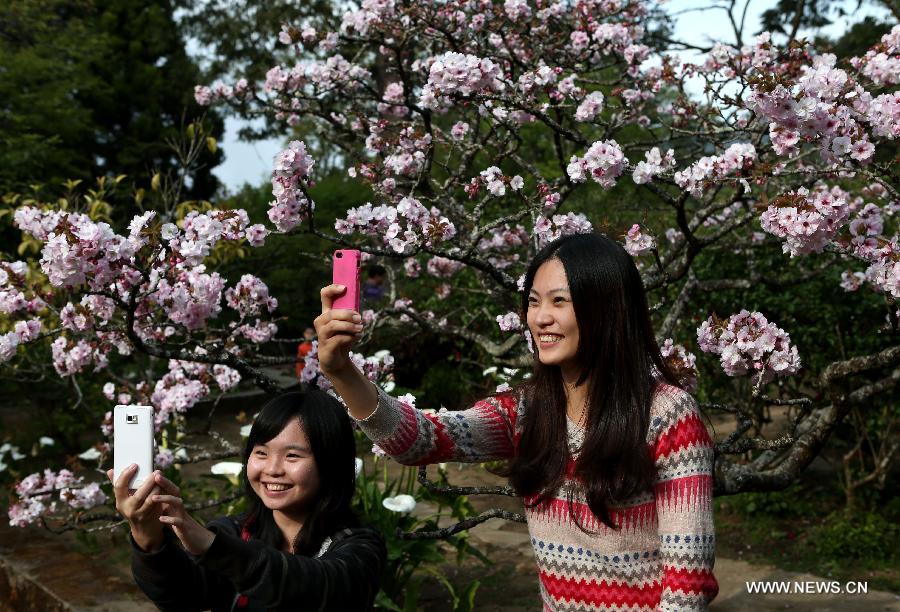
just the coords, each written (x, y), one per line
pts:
(603, 162)
(509, 322)
(590, 107)
(637, 242)
(749, 345)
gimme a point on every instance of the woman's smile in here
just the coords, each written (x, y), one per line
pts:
(551, 316)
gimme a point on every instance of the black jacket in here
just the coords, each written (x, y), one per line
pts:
(344, 577)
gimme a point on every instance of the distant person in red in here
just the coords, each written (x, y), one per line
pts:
(303, 349)
(373, 288)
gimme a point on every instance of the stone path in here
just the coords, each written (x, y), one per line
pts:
(41, 571)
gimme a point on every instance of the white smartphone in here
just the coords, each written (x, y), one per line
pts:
(133, 442)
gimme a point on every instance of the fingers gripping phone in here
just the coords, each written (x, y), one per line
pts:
(345, 271)
(133, 442)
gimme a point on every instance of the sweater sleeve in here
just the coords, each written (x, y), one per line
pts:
(683, 454)
(172, 581)
(484, 432)
(346, 577)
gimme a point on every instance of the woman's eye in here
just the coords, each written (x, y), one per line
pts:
(259, 453)
(559, 300)
(293, 456)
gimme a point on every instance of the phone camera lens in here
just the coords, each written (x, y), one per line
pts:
(339, 255)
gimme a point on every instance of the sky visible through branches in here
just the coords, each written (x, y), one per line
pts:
(251, 162)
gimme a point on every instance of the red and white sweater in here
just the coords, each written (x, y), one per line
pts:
(662, 555)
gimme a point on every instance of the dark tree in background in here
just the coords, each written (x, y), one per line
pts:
(234, 38)
(95, 87)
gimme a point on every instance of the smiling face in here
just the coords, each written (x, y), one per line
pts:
(551, 317)
(283, 472)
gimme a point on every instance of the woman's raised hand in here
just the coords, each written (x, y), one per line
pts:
(141, 512)
(337, 330)
(195, 538)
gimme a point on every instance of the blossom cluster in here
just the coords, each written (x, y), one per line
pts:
(823, 106)
(546, 230)
(376, 368)
(653, 165)
(185, 384)
(200, 232)
(882, 64)
(807, 221)
(681, 362)
(36, 495)
(461, 74)
(290, 174)
(78, 250)
(509, 322)
(496, 182)
(23, 331)
(603, 162)
(400, 227)
(696, 177)
(637, 241)
(403, 153)
(590, 107)
(12, 282)
(192, 297)
(218, 92)
(748, 343)
(250, 296)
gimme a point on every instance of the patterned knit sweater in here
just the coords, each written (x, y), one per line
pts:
(662, 555)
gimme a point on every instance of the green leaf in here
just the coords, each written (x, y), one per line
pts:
(383, 601)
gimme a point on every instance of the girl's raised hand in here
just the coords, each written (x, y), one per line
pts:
(337, 330)
(138, 509)
(195, 538)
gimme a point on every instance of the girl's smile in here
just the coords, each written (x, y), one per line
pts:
(283, 472)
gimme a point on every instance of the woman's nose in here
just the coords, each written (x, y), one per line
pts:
(543, 317)
(274, 465)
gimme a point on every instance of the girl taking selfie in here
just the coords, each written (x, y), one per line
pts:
(299, 545)
(610, 455)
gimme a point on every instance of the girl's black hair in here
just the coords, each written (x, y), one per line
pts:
(620, 362)
(330, 435)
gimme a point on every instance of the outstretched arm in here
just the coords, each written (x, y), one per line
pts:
(483, 432)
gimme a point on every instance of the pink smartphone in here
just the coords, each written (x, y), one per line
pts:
(345, 271)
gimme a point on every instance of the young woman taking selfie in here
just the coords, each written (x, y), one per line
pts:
(299, 545)
(611, 457)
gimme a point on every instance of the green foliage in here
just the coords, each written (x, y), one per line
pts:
(93, 87)
(789, 503)
(865, 536)
(410, 562)
(806, 528)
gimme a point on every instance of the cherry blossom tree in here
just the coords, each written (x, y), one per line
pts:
(485, 130)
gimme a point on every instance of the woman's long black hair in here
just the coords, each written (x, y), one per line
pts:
(620, 362)
(330, 435)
